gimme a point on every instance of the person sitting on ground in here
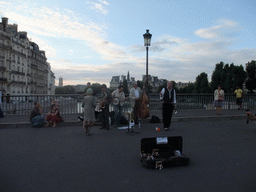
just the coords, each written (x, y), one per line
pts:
(53, 116)
(55, 102)
(36, 117)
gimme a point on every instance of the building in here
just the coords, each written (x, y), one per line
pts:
(60, 82)
(180, 85)
(23, 66)
(51, 81)
(118, 80)
(153, 81)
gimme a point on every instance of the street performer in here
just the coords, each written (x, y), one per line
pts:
(118, 101)
(106, 98)
(168, 96)
(135, 95)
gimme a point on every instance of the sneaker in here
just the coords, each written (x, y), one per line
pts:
(166, 129)
(169, 128)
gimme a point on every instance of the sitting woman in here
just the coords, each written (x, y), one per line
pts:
(53, 116)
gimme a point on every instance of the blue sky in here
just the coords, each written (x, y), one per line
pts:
(96, 39)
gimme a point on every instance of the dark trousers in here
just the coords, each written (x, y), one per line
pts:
(105, 117)
(136, 109)
(167, 114)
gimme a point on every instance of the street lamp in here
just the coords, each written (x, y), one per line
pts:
(147, 39)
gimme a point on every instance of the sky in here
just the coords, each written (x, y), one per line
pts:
(93, 40)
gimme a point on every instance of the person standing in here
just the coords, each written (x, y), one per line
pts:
(89, 111)
(239, 95)
(135, 95)
(118, 101)
(36, 117)
(106, 98)
(218, 99)
(168, 96)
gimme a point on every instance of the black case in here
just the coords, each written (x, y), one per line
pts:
(159, 152)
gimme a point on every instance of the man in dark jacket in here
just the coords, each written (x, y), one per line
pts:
(168, 96)
(106, 98)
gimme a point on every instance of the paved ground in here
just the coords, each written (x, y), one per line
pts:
(222, 155)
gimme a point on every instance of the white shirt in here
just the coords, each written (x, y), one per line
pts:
(136, 93)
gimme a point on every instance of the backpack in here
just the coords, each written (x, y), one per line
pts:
(123, 120)
(154, 119)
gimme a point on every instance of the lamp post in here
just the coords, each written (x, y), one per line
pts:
(147, 39)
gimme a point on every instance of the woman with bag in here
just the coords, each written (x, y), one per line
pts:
(218, 99)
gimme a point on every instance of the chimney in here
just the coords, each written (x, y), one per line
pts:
(5, 23)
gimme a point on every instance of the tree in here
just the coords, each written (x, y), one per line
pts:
(164, 84)
(217, 76)
(125, 85)
(68, 89)
(96, 87)
(228, 76)
(239, 76)
(140, 84)
(251, 73)
(202, 84)
(188, 89)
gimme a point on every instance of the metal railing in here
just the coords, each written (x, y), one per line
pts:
(72, 104)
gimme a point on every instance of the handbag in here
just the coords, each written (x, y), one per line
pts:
(220, 98)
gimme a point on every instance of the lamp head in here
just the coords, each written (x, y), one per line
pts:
(147, 38)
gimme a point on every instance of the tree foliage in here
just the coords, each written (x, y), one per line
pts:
(228, 76)
(68, 89)
(251, 73)
(188, 89)
(202, 84)
(125, 85)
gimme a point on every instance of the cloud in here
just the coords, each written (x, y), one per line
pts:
(50, 51)
(99, 7)
(223, 29)
(170, 57)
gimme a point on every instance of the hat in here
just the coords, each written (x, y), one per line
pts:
(89, 91)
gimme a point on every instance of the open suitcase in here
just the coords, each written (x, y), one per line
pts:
(159, 152)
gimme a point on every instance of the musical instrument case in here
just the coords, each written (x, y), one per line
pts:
(159, 152)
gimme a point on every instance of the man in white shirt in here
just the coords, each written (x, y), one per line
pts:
(118, 101)
(168, 96)
(135, 94)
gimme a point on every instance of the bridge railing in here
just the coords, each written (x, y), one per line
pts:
(72, 104)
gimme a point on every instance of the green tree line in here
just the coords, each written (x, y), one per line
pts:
(229, 76)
